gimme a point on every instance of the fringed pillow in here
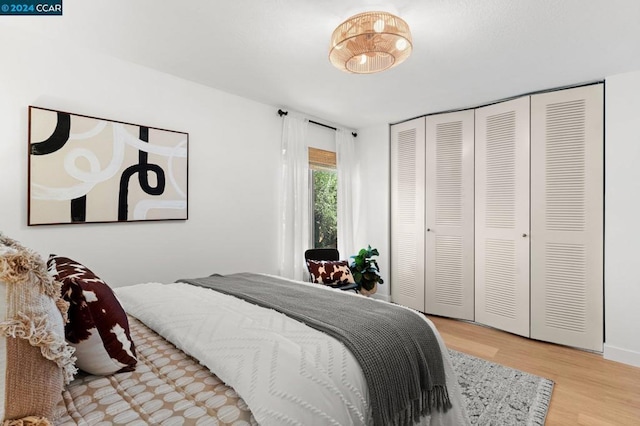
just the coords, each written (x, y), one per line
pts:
(98, 327)
(330, 272)
(28, 421)
(35, 360)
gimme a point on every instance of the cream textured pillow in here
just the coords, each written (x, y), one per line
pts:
(35, 360)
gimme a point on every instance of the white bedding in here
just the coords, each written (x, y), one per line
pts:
(286, 372)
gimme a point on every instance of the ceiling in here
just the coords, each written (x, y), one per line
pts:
(466, 52)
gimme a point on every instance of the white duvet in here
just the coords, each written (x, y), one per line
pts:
(286, 372)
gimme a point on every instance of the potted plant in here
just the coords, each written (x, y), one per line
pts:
(365, 270)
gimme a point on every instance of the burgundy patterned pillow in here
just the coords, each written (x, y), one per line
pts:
(330, 272)
(98, 327)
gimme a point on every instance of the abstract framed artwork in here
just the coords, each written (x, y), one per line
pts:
(91, 170)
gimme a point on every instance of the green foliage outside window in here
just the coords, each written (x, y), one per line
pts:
(325, 209)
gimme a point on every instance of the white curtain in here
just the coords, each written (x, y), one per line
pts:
(348, 201)
(294, 207)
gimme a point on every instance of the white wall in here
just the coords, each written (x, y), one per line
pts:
(622, 218)
(372, 149)
(321, 137)
(234, 154)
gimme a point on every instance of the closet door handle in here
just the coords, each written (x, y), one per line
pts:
(524, 235)
(428, 229)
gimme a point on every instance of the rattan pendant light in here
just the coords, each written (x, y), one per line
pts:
(370, 42)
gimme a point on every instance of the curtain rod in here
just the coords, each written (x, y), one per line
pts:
(281, 113)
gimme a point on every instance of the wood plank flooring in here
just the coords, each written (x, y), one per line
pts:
(588, 390)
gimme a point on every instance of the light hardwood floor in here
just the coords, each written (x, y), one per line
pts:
(588, 390)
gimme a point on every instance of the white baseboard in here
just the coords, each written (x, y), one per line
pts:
(624, 356)
(384, 297)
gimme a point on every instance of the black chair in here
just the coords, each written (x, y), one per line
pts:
(322, 254)
(329, 254)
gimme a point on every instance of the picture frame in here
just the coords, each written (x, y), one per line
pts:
(85, 169)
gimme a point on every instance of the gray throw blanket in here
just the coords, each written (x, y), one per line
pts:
(397, 350)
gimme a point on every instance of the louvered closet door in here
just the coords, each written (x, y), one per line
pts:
(567, 217)
(450, 219)
(502, 216)
(407, 213)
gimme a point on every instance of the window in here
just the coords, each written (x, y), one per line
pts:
(323, 181)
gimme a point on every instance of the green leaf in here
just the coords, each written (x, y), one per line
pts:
(366, 270)
(376, 264)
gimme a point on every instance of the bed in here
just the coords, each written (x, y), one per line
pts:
(167, 387)
(204, 352)
(286, 371)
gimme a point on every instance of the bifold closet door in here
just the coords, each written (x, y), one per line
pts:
(502, 216)
(407, 213)
(449, 215)
(567, 217)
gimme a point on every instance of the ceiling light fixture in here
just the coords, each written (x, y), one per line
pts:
(370, 42)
